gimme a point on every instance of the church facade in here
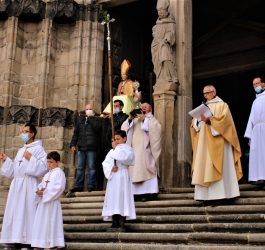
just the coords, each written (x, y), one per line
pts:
(53, 60)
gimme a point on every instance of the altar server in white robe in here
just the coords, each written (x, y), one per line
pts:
(29, 163)
(119, 202)
(255, 132)
(144, 136)
(48, 224)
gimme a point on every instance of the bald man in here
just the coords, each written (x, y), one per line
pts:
(144, 136)
(216, 166)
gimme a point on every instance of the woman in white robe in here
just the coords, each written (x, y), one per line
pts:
(48, 224)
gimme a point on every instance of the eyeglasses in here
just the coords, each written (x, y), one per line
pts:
(26, 131)
(206, 93)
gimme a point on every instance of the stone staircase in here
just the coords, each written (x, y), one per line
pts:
(174, 221)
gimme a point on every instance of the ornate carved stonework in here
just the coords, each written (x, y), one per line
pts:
(58, 10)
(4, 4)
(22, 114)
(62, 9)
(29, 8)
(61, 117)
(1, 115)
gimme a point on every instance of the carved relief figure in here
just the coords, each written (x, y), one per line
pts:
(162, 47)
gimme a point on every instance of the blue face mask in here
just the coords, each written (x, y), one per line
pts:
(116, 110)
(258, 89)
(25, 137)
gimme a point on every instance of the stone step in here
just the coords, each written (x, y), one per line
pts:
(171, 228)
(243, 187)
(177, 210)
(137, 246)
(98, 196)
(171, 219)
(163, 203)
(169, 238)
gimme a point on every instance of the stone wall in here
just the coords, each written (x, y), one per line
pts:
(51, 57)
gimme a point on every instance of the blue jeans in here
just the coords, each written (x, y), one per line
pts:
(86, 160)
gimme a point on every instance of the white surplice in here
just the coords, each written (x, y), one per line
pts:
(21, 203)
(119, 196)
(255, 131)
(48, 224)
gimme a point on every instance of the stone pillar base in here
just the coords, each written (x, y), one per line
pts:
(163, 85)
(164, 101)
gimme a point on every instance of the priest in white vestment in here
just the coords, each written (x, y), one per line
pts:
(216, 166)
(144, 135)
(255, 132)
(118, 202)
(29, 163)
(48, 224)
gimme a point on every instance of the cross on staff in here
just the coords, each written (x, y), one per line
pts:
(106, 21)
(47, 182)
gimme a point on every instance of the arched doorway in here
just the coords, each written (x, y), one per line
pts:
(228, 52)
(131, 39)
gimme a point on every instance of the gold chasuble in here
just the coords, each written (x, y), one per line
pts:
(208, 144)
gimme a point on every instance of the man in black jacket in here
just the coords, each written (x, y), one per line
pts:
(85, 141)
(119, 117)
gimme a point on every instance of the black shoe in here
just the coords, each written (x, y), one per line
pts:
(137, 197)
(73, 190)
(90, 189)
(70, 194)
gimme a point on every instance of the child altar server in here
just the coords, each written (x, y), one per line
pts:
(48, 223)
(119, 202)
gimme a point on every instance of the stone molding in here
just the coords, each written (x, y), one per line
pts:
(19, 114)
(22, 114)
(57, 10)
(60, 117)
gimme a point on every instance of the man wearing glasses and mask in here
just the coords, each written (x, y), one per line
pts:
(24, 170)
(216, 166)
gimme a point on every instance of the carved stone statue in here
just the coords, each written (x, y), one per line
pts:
(163, 44)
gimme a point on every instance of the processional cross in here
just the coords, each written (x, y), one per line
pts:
(106, 21)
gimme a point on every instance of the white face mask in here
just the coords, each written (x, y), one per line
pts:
(89, 112)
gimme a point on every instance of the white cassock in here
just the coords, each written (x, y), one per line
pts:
(21, 203)
(48, 224)
(255, 131)
(119, 197)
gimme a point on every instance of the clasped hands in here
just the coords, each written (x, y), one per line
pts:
(39, 192)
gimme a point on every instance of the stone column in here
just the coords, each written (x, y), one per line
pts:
(164, 101)
(44, 62)
(171, 106)
(8, 73)
(183, 16)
